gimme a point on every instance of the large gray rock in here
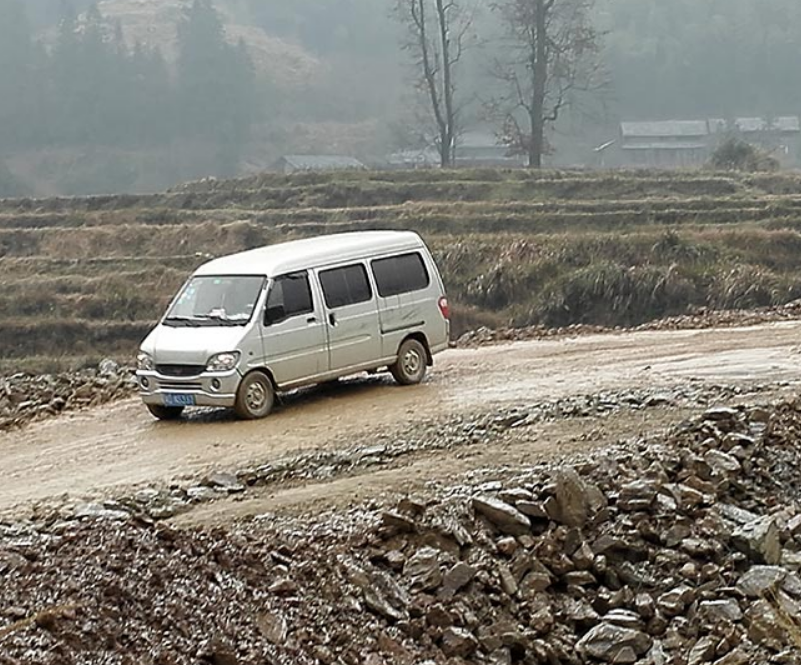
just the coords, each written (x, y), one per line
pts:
(703, 651)
(758, 579)
(572, 500)
(458, 642)
(423, 569)
(381, 593)
(502, 516)
(637, 495)
(759, 540)
(226, 482)
(673, 602)
(722, 462)
(764, 628)
(458, 577)
(273, 627)
(613, 644)
(720, 611)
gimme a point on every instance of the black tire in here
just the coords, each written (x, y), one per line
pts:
(412, 363)
(255, 396)
(165, 412)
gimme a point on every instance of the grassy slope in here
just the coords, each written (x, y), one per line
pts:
(88, 276)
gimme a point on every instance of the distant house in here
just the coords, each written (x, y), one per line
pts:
(289, 164)
(473, 150)
(780, 136)
(664, 144)
(424, 158)
(683, 143)
(479, 149)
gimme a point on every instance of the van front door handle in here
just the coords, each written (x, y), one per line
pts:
(332, 319)
(311, 319)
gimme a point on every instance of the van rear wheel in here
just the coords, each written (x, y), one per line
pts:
(165, 412)
(412, 363)
(255, 397)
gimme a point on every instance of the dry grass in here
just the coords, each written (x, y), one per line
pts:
(86, 276)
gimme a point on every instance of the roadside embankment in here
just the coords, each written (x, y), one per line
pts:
(686, 550)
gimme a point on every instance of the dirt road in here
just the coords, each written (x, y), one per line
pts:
(109, 448)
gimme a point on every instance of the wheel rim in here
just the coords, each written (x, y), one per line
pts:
(256, 397)
(412, 362)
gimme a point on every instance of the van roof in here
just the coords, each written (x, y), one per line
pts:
(283, 258)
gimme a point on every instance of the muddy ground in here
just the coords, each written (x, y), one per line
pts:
(118, 447)
(573, 500)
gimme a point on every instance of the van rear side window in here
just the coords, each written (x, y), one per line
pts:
(400, 274)
(345, 286)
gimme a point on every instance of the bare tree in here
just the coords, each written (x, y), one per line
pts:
(552, 56)
(437, 33)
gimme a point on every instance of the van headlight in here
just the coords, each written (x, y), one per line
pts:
(144, 362)
(223, 362)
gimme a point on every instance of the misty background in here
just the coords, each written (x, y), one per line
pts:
(138, 95)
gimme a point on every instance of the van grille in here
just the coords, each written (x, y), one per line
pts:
(180, 370)
(180, 385)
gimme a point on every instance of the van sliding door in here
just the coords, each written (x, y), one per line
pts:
(294, 336)
(351, 317)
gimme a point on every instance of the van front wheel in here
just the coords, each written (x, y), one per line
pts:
(255, 397)
(410, 367)
(165, 412)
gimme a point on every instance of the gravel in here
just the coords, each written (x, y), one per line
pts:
(641, 553)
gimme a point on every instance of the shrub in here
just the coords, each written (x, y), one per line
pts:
(734, 154)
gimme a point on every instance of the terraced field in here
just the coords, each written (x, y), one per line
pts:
(85, 278)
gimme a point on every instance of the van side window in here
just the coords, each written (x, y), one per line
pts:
(345, 286)
(289, 296)
(400, 274)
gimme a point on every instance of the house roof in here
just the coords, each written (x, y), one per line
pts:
(287, 257)
(321, 162)
(664, 128)
(422, 157)
(787, 123)
(665, 145)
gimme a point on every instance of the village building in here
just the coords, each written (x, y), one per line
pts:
(690, 143)
(289, 164)
(664, 144)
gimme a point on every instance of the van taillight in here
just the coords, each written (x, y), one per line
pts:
(443, 307)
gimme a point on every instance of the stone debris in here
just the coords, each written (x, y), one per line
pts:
(700, 319)
(645, 553)
(27, 397)
(505, 518)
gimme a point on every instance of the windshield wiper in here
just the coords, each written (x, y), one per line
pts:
(220, 319)
(182, 321)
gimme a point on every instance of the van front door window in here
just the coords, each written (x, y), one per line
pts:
(290, 295)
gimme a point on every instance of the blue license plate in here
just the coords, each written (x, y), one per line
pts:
(175, 399)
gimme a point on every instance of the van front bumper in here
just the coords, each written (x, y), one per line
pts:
(207, 389)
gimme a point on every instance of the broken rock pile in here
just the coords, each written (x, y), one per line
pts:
(687, 552)
(26, 397)
(701, 318)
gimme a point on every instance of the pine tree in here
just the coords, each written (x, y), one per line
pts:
(215, 85)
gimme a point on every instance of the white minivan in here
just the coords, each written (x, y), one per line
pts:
(280, 317)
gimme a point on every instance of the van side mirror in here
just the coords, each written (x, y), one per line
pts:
(273, 315)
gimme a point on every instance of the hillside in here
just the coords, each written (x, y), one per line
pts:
(87, 277)
(154, 24)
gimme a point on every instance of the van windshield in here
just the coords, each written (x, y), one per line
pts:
(216, 301)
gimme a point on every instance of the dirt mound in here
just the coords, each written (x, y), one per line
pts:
(682, 552)
(27, 397)
(702, 319)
